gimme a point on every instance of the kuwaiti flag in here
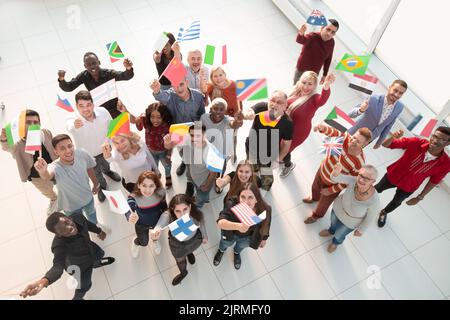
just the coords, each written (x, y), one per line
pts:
(425, 127)
(183, 227)
(246, 215)
(190, 33)
(215, 161)
(251, 89)
(339, 119)
(215, 55)
(104, 93)
(317, 19)
(15, 130)
(34, 139)
(117, 201)
(365, 83)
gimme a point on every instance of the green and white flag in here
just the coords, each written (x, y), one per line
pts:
(215, 55)
(34, 142)
(15, 130)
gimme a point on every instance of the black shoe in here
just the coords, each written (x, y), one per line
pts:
(382, 219)
(178, 278)
(218, 258)
(190, 189)
(237, 261)
(101, 196)
(113, 175)
(191, 258)
(181, 169)
(106, 261)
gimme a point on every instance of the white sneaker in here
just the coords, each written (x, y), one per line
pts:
(51, 207)
(157, 247)
(104, 228)
(286, 170)
(134, 249)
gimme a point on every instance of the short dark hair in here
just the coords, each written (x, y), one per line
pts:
(53, 220)
(58, 138)
(83, 95)
(32, 113)
(401, 82)
(334, 22)
(197, 126)
(444, 130)
(89, 54)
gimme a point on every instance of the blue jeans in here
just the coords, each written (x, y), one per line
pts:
(241, 244)
(338, 229)
(89, 212)
(201, 197)
(162, 155)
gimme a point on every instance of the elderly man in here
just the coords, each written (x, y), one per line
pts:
(324, 189)
(317, 51)
(380, 112)
(422, 159)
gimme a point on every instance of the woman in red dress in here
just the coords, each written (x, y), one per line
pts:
(303, 103)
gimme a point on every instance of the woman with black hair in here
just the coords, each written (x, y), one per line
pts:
(162, 60)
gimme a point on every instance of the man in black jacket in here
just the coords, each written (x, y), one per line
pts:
(73, 251)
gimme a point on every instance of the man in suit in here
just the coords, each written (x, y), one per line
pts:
(380, 111)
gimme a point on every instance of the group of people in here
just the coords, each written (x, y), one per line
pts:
(279, 126)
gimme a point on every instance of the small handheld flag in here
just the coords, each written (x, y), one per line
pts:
(317, 19)
(104, 93)
(339, 119)
(246, 215)
(15, 130)
(215, 55)
(117, 201)
(33, 142)
(214, 159)
(190, 33)
(251, 89)
(120, 124)
(365, 83)
(179, 131)
(114, 51)
(425, 127)
(354, 64)
(332, 146)
(183, 227)
(161, 42)
(175, 72)
(64, 104)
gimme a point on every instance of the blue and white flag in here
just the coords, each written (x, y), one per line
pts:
(183, 227)
(190, 33)
(317, 19)
(215, 161)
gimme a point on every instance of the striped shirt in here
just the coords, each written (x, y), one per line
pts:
(350, 163)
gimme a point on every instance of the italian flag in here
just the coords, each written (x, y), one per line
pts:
(34, 142)
(15, 130)
(215, 55)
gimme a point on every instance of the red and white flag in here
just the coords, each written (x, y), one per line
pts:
(117, 201)
(365, 83)
(425, 127)
(246, 215)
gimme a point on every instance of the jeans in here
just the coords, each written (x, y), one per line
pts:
(241, 244)
(88, 210)
(162, 155)
(338, 229)
(201, 197)
(399, 197)
(85, 282)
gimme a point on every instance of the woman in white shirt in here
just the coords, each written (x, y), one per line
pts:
(354, 209)
(131, 155)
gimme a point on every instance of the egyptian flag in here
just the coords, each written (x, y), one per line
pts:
(339, 119)
(365, 83)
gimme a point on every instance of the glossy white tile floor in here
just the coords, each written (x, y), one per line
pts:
(412, 252)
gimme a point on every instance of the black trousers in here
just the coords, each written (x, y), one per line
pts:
(399, 197)
(128, 186)
(85, 282)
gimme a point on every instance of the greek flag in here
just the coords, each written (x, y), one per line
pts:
(190, 33)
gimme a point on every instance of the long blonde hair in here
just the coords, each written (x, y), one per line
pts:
(217, 92)
(134, 139)
(296, 91)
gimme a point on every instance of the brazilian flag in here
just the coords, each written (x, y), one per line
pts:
(354, 64)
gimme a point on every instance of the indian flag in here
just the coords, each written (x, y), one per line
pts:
(34, 142)
(15, 130)
(215, 55)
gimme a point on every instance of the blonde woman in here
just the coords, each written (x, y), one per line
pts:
(221, 87)
(131, 155)
(303, 103)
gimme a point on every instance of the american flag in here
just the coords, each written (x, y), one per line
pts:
(332, 146)
(246, 215)
(317, 19)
